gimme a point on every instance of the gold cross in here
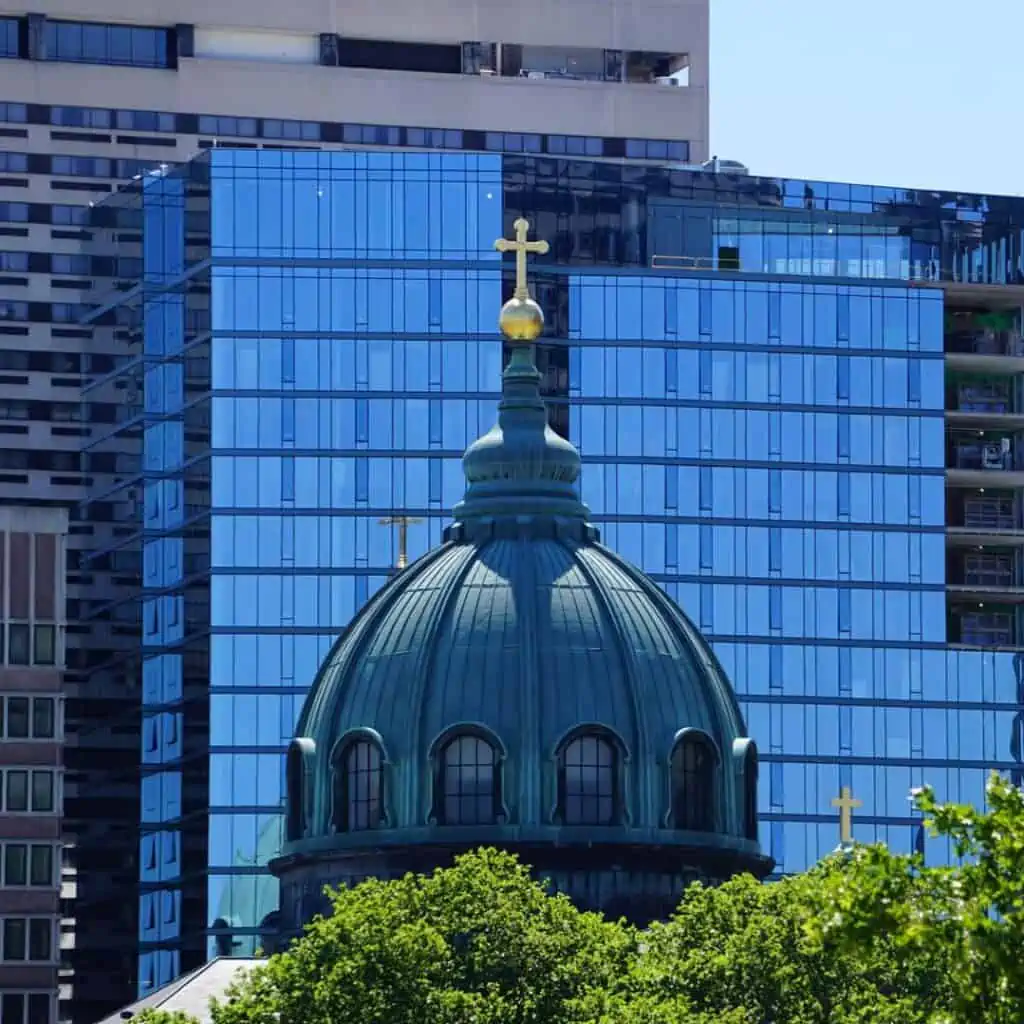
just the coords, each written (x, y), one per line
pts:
(521, 247)
(846, 804)
(403, 523)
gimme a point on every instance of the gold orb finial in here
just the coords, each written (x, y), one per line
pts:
(521, 318)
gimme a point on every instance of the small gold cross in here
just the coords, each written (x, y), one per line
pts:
(846, 805)
(403, 523)
(521, 247)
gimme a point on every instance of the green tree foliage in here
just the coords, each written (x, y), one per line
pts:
(867, 937)
(479, 943)
(755, 951)
(163, 1017)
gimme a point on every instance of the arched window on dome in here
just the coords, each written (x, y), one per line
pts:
(588, 780)
(468, 781)
(750, 773)
(358, 786)
(295, 821)
(694, 772)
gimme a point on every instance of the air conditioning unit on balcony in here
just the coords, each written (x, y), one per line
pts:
(666, 80)
(993, 456)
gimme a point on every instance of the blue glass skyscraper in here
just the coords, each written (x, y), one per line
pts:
(794, 402)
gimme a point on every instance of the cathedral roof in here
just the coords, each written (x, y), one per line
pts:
(523, 629)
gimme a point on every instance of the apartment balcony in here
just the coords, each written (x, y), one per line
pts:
(982, 573)
(980, 624)
(983, 402)
(984, 458)
(983, 516)
(985, 340)
(982, 342)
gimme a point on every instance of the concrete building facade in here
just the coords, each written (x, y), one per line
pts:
(93, 93)
(31, 732)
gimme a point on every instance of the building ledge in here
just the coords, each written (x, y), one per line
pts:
(1005, 365)
(985, 420)
(998, 296)
(974, 536)
(985, 477)
(972, 591)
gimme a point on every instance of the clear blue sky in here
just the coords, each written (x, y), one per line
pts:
(918, 93)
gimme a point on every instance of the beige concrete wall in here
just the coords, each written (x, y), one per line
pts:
(263, 88)
(630, 24)
(311, 92)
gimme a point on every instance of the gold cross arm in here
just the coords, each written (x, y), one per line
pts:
(403, 523)
(846, 805)
(521, 247)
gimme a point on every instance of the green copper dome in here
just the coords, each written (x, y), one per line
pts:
(523, 686)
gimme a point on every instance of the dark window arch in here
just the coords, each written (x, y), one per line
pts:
(295, 825)
(358, 798)
(694, 763)
(468, 781)
(750, 773)
(588, 776)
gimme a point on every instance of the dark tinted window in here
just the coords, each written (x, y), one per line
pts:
(145, 121)
(299, 131)
(81, 166)
(14, 212)
(693, 784)
(588, 781)
(434, 138)
(16, 112)
(90, 43)
(358, 788)
(13, 161)
(80, 117)
(468, 782)
(373, 134)
(211, 125)
(8, 37)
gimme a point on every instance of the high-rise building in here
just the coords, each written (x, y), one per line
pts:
(770, 383)
(95, 92)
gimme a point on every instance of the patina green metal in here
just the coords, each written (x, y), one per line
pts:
(523, 625)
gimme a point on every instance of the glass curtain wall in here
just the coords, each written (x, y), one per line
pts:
(354, 356)
(773, 455)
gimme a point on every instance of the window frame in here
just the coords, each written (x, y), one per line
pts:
(100, 42)
(619, 811)
(678, 772)
(30, 628)
(35, 700)
(29, 920)
(342, 799)
(10, 33)
(297, 789)
(750, 776)
(440, 765)
(27, 995)
(30, 772)
(30, 847)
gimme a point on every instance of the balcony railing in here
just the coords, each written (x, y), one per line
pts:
(983, 570)
(984, 513)
(983, 398)
(985, 343)
(984, 629)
